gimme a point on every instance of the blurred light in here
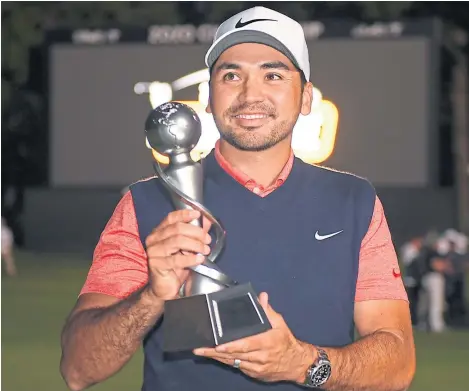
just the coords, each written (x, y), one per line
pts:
(191, 79)
(204, 91)
(159, 93)
(140, 88)
(314, 135)
(313, 138)
(161, 158)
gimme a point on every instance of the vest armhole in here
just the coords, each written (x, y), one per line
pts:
(366, 200)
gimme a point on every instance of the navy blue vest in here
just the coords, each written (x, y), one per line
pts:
(271, 243)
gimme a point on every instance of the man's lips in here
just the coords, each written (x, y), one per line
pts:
(252, 120)
(252, 116)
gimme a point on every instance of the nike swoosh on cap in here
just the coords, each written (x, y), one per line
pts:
(240, 24)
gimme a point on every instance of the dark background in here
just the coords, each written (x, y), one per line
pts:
(405, 144)
(380, 89)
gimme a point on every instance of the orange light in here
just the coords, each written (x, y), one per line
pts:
(163, 159)
(315, 140)
(327, 136)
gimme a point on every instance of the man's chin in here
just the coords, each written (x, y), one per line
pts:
(249, 145)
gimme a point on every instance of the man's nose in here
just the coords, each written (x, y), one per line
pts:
(252, 91)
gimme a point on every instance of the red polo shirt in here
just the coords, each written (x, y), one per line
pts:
(120, 263)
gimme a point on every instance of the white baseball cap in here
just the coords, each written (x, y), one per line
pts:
(265, 26)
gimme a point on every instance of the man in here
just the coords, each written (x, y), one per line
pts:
(455, 279)
(433, 269)
(413, 270)
(313, 241)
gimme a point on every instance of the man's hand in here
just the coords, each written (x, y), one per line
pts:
(275, 355)
(172, 247)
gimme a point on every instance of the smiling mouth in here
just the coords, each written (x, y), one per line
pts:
(252, 116)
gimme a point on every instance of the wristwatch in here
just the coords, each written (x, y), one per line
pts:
(320, 372)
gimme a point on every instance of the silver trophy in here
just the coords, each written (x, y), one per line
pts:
(213, 308)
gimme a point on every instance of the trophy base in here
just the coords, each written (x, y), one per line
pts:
(212, 319)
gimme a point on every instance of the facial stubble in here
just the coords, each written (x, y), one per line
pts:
(249, 139)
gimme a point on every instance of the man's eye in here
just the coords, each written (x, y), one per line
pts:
(273, 76)
(231, 77)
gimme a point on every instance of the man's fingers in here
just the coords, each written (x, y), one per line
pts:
(176, 244)
(178, 229)
(206, 224)
(259, 357)
(175, 262)
(250, 344)
(182, 261)
(180, 216)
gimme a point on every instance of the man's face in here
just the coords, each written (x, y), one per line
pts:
(256, 97)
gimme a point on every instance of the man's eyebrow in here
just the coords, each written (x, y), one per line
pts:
(275, 65)
(266, 65)
(227, 65)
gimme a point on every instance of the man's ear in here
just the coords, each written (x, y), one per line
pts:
(307, 98)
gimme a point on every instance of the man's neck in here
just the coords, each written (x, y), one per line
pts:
(263, 166)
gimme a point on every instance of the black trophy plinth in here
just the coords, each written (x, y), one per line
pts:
(212, 319)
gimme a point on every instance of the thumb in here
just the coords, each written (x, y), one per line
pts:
(206, 224)
(264, 300)
(274, 317)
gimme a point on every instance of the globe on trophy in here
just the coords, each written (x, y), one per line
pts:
(212, 308)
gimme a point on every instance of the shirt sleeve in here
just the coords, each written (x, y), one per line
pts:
(379, 276)
(119, 264)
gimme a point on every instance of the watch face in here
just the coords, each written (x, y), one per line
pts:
(321, 375)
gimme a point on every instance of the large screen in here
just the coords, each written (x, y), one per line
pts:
(100, 97)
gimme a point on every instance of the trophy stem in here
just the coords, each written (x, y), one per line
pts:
(212, 308)
(207, 268)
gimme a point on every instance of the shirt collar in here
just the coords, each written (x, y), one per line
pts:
(243, 178)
